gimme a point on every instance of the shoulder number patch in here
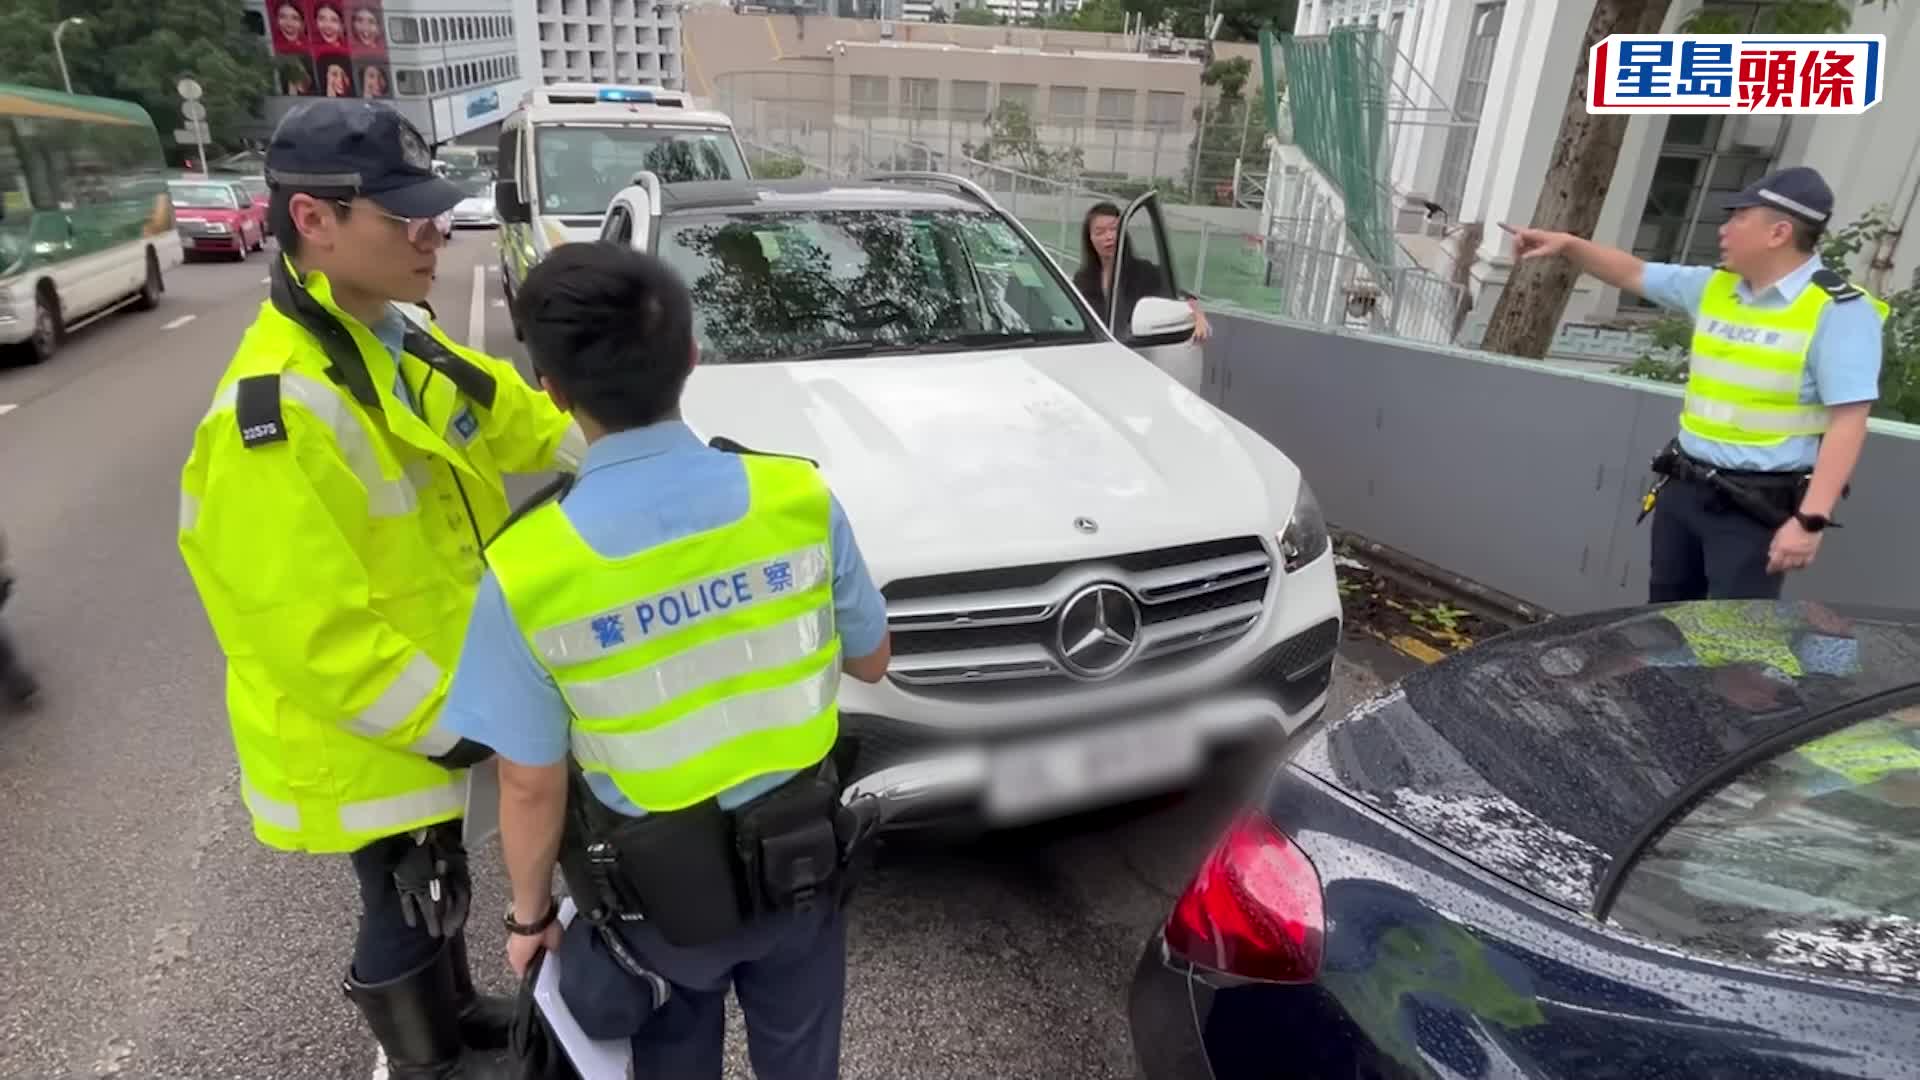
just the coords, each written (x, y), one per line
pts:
(256, 408)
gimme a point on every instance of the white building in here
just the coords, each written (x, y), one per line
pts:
(608, 41)
(453, 67)
(1507, 65)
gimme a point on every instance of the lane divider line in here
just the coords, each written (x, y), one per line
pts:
(179, 322)
(6, 408)
(477, 311)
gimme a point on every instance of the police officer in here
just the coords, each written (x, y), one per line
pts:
(663, 641)
(332, 515)
(1785, 367)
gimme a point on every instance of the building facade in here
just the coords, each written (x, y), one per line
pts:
(1479, 85)
(608, 41)
(455, 68)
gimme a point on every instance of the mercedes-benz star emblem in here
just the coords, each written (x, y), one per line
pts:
(1099, 631)
(1086, 524)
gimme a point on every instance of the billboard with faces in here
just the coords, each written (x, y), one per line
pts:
(329, 48)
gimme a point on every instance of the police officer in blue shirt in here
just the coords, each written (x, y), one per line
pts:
(1783, 372)
(611, 337)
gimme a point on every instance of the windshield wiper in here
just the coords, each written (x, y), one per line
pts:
(859, 348)
(1008, 339)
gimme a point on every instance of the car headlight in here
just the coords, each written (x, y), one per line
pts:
(216, 227)
(1305, 538)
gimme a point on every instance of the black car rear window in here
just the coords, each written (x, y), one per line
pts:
(1544, 754)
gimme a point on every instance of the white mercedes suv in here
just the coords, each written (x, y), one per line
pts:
(1094, 578)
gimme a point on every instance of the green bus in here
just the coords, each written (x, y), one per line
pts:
(86, 226)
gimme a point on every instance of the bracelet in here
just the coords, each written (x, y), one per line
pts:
(539, 926)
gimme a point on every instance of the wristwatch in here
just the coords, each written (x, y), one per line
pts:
(538, 926)
(1813, 523)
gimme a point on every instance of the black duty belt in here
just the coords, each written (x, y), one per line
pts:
(1769, 498)
(701, 874)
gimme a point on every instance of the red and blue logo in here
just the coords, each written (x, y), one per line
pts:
(1842, 74)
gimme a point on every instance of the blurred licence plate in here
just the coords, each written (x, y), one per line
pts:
(1104, 765)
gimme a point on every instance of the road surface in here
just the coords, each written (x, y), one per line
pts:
(147, 933)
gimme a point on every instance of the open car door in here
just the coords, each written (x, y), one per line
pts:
(1159, 325)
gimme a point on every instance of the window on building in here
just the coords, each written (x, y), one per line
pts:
(921, 98)
(403, 30)
(1116, 109)
(969, 99)
(867, 95)
(1164, 108)
(410, 81)
(1703, 160)
(1483, 36)
(1025, 95)
(1067, 105)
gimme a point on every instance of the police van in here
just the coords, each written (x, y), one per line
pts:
(570, 147)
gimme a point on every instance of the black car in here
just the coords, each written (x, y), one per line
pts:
(1677, 841)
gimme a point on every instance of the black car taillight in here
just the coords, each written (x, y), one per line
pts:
(1253, 909)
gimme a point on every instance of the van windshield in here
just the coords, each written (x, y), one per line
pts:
(582, 167)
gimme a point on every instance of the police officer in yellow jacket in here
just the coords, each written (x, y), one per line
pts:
(666, 637)
(333, 512)
(1783, 371)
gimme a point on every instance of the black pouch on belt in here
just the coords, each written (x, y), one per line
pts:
(680, 870)
(787, 846)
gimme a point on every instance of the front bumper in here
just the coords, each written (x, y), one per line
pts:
(473, 221)
(16, 312)
(1020, 775)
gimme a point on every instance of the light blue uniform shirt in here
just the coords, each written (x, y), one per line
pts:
(636, 489)
(1843, 362)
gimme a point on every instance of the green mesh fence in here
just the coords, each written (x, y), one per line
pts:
(1337, 99)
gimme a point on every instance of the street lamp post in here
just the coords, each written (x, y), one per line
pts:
(60, 55)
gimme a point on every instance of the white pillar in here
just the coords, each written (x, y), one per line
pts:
(1442, 49)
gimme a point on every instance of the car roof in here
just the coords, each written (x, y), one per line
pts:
(1547, 754)
(807, 193)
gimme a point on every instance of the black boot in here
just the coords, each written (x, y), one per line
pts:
(416, 1022)
(486, 1022)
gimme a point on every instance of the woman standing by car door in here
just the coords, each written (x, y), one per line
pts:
(1099, 242)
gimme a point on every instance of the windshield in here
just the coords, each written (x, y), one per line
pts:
(474, 187)
(808, 284)
(203, 196)
(582, 168)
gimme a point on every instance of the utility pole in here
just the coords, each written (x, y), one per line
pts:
(59, 54)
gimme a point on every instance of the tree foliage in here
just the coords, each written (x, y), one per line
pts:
(1012, 140)
(1587, 152)
(136, 50)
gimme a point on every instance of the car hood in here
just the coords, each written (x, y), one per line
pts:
(198, 213)
(951, 461)
(475, 205)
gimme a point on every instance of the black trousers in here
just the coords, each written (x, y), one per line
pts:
(387, 947)
(1705, 548)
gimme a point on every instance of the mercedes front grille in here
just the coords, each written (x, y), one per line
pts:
(1029, 627)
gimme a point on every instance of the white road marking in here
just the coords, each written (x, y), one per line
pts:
(266, 281)
(477, 311)
(6, 408)
(497, 302)
(379, 1062)
(179, 322)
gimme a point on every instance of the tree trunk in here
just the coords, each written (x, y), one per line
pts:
(1574, 190)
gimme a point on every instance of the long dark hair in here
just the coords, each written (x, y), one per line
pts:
(1089, 258)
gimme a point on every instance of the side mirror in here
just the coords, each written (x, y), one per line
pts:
(1160, 321)
(508, 206)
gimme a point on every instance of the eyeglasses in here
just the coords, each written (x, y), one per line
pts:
(417, 228)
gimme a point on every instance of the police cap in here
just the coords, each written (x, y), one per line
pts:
(351, 146)
(1798, 192)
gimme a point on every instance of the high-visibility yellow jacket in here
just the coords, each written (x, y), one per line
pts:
(335, 539)
(695, 665)
(1748, 363)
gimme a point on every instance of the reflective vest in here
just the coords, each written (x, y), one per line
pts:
(697, 664)
(1866, 754)
(335, 539)
(1722, 633)
(1748, 363)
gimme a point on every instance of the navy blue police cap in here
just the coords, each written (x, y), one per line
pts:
(1798, 192)
(351, 146)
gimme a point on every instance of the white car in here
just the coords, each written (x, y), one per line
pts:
(1094, 577)
(476, 210)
